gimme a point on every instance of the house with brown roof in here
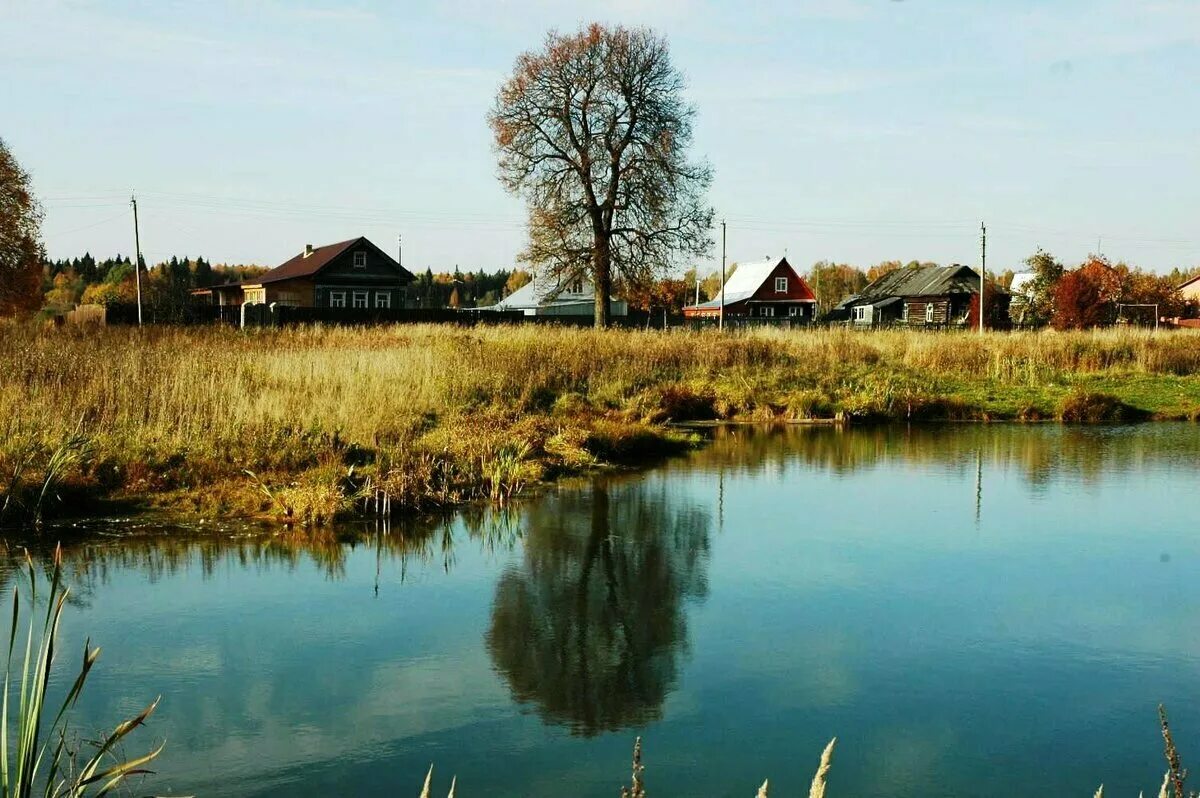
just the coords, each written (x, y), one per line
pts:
(348, 274)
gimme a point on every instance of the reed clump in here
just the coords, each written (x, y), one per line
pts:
(432, 415)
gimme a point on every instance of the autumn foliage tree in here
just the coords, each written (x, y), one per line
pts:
(1087, 297)
(21, 252)
(593, 130)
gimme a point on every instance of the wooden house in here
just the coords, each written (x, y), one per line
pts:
(766, 289)
(918, 296)
(348, 274)
(1190, 290)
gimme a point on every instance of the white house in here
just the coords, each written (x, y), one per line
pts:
(552, 296)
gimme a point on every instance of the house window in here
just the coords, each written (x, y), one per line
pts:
(767, 310)
(360, 299)
(904, 312)
(781, 285)
(360, 260)
(858, 313)
(383, 299)
(792, 310)
(928, 312)
(575, 286)
(337, 299)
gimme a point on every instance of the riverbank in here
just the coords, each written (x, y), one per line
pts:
(308, 424)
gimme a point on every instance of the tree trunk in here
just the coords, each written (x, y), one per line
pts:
(602, 279)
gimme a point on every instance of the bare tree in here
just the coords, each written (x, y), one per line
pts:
(21, 253)
(593, 132)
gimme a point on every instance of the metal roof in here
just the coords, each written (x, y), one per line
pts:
(922, 281)
(544, 290)
(746, 279)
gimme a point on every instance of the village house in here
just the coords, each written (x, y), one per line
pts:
(1190, 290)
(349, 274)
(919, 296)
(766, 289)
(547, 295)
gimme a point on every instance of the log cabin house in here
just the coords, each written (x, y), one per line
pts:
(348, 274)
(918, 296)
(766, 289)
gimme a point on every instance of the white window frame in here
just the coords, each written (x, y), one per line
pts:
(767, 312)
(337, 299)
(383, 299)
(365, 296)
(904, 312)
(794, 310)
(928, 312)
(781, 285)
(360, 260)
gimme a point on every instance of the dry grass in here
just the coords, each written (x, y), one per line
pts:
(440, 414)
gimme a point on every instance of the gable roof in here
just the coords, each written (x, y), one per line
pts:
(1189, 281)
(545, 290)
(301, 266)
(746, 279)
(922, 281)
(1022, 283)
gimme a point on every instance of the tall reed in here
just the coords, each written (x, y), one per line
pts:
(34, 753)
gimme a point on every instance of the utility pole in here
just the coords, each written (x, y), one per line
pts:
(401, 295)
(137, 255)
(982, 269)
(721, 310)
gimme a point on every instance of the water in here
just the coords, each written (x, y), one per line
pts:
(972, 610)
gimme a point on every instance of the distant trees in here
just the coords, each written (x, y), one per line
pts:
(517, 278)
(593, 131)
(21, 252)
(833, 282)
(885, 267)
(1086, 297)
(1091, 295)
(86, 280)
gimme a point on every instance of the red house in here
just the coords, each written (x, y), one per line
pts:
(766, 289)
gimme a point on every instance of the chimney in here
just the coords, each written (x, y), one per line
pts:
(307, 250)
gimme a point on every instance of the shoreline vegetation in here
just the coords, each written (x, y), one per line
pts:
(311, 424)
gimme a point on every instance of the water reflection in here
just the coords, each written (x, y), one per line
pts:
(947, 600)
(1041, 452)
(590, 626)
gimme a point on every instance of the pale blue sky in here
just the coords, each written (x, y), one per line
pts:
(855, 130)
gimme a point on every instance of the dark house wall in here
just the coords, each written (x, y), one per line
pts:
(946, 309)
(378, 276)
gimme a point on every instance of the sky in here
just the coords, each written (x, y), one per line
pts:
(847, 130)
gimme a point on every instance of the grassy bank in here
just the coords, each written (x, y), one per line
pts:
(309, 423)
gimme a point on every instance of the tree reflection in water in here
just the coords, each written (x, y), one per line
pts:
(589, 628)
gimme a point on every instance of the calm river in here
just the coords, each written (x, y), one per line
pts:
(972, 610)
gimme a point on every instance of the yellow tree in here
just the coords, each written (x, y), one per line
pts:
(592, 130)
